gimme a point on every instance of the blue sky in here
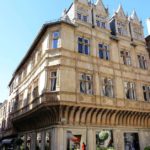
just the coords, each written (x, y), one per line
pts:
(20, 21)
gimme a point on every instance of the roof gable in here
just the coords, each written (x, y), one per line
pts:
(101, 8)
(134, 17)
(120, 12)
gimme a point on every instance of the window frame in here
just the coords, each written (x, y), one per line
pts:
(126, 57)
(146, 92)
(54, 39)
(142, 62)
(110, 87)
(130, 90)
(53, 79)
(86, 83)
(84, 44)
(104, 49)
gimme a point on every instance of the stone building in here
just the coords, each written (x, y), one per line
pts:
(85, 81)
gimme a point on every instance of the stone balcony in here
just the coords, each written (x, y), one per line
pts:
(52, 108)
(59, 98)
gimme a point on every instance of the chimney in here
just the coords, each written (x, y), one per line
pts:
(148, 25)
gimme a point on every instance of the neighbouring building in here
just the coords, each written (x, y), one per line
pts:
(84, 82)
(148, 37)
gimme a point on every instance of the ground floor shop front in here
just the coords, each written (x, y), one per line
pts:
(91, 138)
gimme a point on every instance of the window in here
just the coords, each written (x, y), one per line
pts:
(126, 57)
(104, 52)
(85, 18)
(120, 31)
(83, 46)
(138, 34)
(16, 103)
(107, 89)
(103, 25)
(104, 140)
(100, 24)
(53, 80)
(74, 141)
(48, 140)
(142, 62)
(86, 83)
(129, 90)
(122, 28)
(82, 17)
(28, 98)
(56, 36)
(79, 16)
(39, 53)
(35, 92)
(131, 141)
(146, 93)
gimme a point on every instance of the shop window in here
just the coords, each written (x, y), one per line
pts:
(83, 46)
(142, 62)
(48, 141)
(104, 140)
(56, 36)
(38, 141)
(53, 80)
(28, 142)
(86, 83)
(104, 52)
(107, 89)
(146, 93)
(129, 90)
(73, 141)
(125, 55)
(131, 141)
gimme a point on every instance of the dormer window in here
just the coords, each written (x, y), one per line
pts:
(101, 24)
(137, 33)
(82, 17)
(122, 29)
